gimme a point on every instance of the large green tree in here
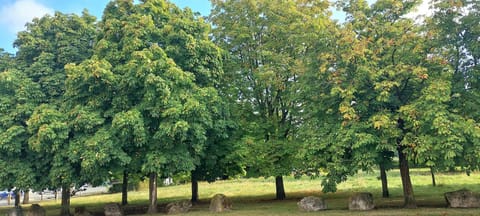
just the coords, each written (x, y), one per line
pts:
(453, 32)
(382, 91)
(153, 78)
(48, 44)
(17, 96)
(20, 166)
(266, 42)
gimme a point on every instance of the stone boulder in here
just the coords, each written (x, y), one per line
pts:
(36, 210)
(462, 199)
(16, 211)
(178, 207)
(312, 203)
(81, 211)
(220, 203)
(361, 201)
(113, 209)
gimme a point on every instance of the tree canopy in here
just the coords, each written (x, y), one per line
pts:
(48, 44)
(266, 43)
(152, 77)
(383, 91)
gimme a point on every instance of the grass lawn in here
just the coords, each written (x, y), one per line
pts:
(256, 196)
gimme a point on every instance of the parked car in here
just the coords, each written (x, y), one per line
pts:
(46, 191)
(4, 194)
(74, 190)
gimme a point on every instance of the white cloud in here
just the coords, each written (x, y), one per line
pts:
(14, 16)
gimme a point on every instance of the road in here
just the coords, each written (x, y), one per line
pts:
(36, 197)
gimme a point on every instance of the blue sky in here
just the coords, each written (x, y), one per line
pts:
(15, 13)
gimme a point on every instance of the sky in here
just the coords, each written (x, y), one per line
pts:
(15, 13)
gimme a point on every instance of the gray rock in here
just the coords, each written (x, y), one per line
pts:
(312, 203)
(361, 201)
(113, 209)
(81, 211)
(220, 203)
(462, 199)
(178, 207)
(16, 211)
(36, 210)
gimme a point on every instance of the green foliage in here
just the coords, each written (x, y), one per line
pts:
(152, 79)
(48, 44)
(381, 91)
(6, 60)
(50, 133)
(18, 98)
(453, 37)
(266, 43)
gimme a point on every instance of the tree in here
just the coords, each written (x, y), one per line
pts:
(186, 40)
(384, 92)
(453, 34)
(19, 96)
(222, 157)
(48, 44)
(157, 69)
(266, 42)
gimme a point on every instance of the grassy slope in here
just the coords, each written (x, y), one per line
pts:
(255, 196)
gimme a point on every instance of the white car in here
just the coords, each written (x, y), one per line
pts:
(81, 188)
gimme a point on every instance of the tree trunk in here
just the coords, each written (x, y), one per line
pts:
(280, 188)
(194, 188)
(409, 199)
(65, 209)
(152, 208)
(125, 188)
(383, 177)
(17, 197)
(433, 177)
(26, 197)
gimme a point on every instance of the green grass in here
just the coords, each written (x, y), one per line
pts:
(256, 196)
